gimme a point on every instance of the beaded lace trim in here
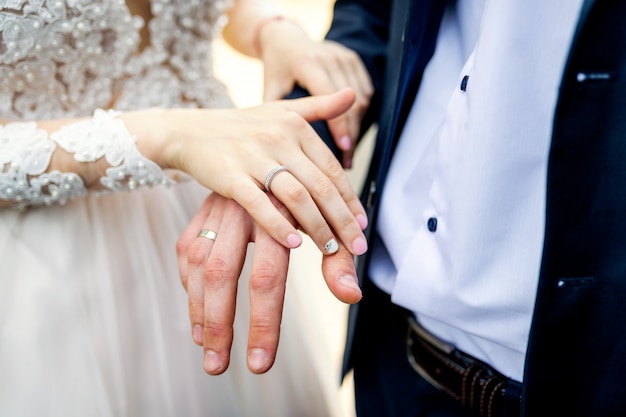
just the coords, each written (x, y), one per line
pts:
(25, 156)
(27, 151)
(67, 58)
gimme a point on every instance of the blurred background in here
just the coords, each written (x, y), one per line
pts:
(244, 78)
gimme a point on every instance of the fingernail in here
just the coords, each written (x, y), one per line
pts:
(348, 164)
(362, 220)
(294, 240)
(198, 333)
(212, 362)
(349, 281)
(359, 246)
(331, 246)
(257, 359)
(345, 143)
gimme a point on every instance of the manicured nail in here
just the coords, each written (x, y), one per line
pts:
(359, 246)
(198, 334)
(212, 362)
(349, 281)
(362, 220)
(331, 246)
(345, 143)
(257, 359)
(294, 240)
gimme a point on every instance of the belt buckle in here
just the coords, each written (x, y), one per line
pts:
(444, 346)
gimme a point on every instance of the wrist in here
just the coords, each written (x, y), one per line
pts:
(270, 25)
(154, 132)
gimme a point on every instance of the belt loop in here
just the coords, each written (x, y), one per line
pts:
(512, 400)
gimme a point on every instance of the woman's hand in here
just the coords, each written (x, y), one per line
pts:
(290, 58)
(232, 152)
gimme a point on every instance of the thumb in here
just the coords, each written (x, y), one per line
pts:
(340, 275)
(321, 107)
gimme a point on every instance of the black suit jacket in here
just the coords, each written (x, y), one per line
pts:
(576, 360)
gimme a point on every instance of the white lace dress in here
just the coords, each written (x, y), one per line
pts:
(93, 318)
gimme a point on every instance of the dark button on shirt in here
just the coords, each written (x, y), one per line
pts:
(464, 83)
(432, 224)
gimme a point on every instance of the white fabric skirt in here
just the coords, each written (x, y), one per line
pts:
(93, 320)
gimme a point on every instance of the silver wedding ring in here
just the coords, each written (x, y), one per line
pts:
(209, 234)
(270, 176)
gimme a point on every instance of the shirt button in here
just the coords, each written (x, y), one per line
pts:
(432, 224)
(464, 83)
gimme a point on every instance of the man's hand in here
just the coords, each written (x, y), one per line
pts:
(210, 271)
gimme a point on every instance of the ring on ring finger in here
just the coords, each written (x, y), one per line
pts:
(209, 234)
(270, 176)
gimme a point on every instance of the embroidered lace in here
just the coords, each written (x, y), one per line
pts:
(67, 58)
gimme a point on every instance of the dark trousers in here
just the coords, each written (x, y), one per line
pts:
(385, 383)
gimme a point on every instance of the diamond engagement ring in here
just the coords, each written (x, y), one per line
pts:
(270, 176)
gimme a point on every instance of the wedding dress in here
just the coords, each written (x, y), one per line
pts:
(93, 318)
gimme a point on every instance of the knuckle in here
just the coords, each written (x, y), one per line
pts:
(217, 273)
(332, 168)
(262, 327)
(182, 247)
(184, 280)
(196, 256)
(213, 328)
(196, 310)
(291, 118)
(321, 233)
(362, 102)
(296, 192)
(253, 199)
(353, 56)
(239, 188)
(265, 278)
(323, 187)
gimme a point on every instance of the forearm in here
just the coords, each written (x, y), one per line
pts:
(247, 22)
(243, 20)
(53, 161)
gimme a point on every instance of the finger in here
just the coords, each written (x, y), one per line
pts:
(311, 192)
(186, 238)
(328, 185)
(254, 200)
(327, 79)
(298, 200)
(277, 88)
(346, 128)
(322, 107)
(340, 275)
(197, 258)
(267, 291)
(221, 275)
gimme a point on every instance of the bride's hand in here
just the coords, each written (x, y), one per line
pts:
(290, 57)
(232, 152)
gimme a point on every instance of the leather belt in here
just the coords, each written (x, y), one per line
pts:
(477, 386)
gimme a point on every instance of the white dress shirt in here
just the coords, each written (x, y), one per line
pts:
(462, 215)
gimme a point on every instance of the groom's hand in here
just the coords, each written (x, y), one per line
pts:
(210, 266)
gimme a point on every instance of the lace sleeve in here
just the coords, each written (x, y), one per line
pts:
(26, 150)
